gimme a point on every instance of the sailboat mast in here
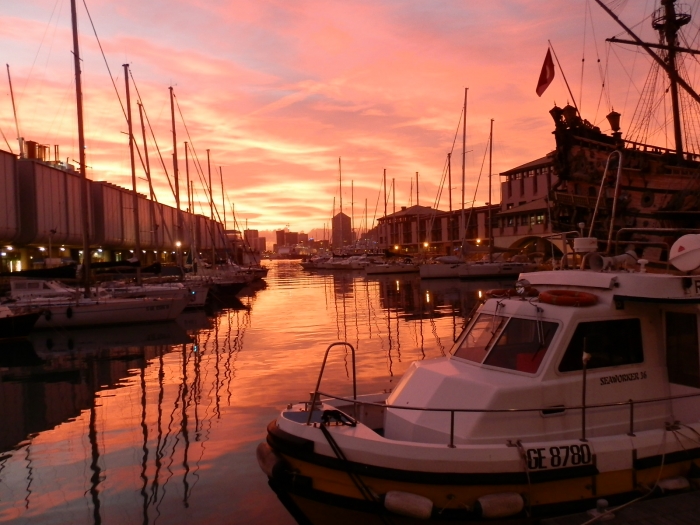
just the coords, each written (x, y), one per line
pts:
(175, 172)
(464, 165)
(386, 241)
(449, 178)
(211, 214)
(154, 232)
(81, 153)
(340, 216)
(670, 31)
(134, 195)
(187, 173)
(223, 196)
(14, 112)
(490, 228)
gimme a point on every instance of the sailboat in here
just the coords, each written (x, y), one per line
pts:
(491, 268)
(63, 306)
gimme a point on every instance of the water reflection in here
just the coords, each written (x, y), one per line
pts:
(159, 422)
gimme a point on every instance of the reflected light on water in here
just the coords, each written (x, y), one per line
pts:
(159, 423)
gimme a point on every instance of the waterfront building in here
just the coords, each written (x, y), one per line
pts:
(41, 218)
(342, 231)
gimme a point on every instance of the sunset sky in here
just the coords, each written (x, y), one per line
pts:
(278, 90)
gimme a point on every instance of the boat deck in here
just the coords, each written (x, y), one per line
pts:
(681, 509)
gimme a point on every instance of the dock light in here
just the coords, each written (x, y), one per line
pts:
(62, 249)
(478, 241)
(41, 248)
(396, 247)
(178, 244)
(99, 250)
(3, 254)
(425, 245)
(480, 294)
(427, 297)
(8, 248)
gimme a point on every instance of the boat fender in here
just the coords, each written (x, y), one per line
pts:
(499, 505)
(674, 484)
(69, 312)
(47, 315)
(568, 298)
(267, 459)
(407, 504)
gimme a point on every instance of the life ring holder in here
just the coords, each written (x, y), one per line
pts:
(568, 298)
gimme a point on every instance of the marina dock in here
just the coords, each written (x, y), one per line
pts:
(681, 509)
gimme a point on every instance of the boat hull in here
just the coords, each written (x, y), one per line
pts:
(303, 472)
(67, 314)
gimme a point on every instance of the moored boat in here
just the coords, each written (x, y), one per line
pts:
(573, 386)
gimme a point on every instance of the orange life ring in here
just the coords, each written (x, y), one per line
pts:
(568, 298)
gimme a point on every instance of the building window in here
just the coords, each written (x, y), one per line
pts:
(511, 221)
(539, 218)
(524, 220)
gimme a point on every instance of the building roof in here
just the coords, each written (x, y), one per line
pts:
(543, 161)
(536, 205)
(413, 210)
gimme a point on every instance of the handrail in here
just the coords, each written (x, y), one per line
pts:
(452, 411)
(315, 393)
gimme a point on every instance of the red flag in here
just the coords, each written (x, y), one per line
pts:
(547, 74)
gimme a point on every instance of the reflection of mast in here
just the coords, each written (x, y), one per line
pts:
(30, 476)
(94, 466)
(144, 458)
(183, 428)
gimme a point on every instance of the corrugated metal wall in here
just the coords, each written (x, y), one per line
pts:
(36, 198)
(49, 200)
(9, 199)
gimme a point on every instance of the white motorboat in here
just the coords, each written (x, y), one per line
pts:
(575, 386)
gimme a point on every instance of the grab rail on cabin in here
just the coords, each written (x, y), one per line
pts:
(630, 403)
(314, 395)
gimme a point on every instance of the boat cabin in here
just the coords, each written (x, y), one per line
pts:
(636, 332)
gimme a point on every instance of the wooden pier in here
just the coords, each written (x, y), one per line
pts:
(681, 509)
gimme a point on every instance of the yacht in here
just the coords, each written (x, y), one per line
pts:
(574, 386)
(63, 306)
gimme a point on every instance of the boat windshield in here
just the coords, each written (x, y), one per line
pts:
(511, 343)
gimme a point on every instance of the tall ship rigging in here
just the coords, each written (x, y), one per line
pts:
(626, 185)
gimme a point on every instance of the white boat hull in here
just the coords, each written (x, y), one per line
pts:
(65, 314)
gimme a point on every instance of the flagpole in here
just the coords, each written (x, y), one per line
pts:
(573, 99)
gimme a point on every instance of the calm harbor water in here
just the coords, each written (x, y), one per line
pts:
(159, 423)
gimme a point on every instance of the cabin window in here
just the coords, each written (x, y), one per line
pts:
(682, 357)
(479, 337)
(522, 345)
(610, 343)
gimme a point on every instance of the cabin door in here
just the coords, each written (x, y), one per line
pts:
(683, 363)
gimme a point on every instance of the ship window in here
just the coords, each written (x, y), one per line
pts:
(479, 337)
(522, 345)
(610, 343)
(682, 357)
